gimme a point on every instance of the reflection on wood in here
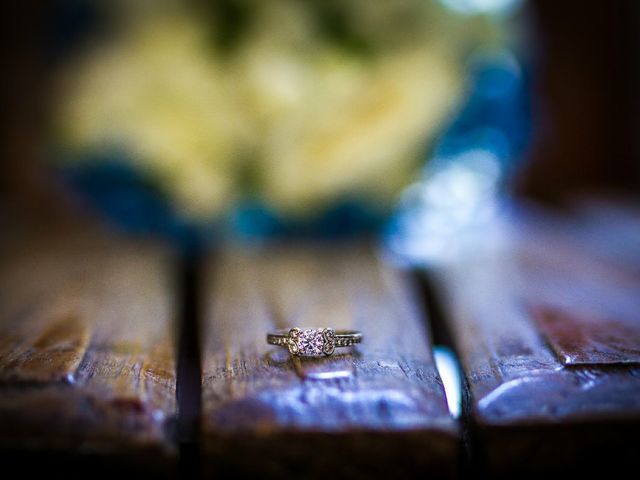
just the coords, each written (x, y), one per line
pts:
(564, 395)
(377, 409)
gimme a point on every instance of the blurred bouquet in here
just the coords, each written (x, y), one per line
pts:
(299, 104)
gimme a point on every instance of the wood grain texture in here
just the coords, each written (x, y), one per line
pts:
(546, 398)
(587, 339)
(377, 409)
(86, 346)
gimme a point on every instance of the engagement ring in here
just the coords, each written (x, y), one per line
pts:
(310, 342)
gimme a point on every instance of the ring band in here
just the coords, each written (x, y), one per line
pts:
(311, 342)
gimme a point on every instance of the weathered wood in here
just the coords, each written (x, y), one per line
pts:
(379, 409)
(87, 362)
(547, 328)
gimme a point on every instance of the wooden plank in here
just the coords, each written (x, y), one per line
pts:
(378, 409)
(87, 364)
(546, 397)
(588, 339)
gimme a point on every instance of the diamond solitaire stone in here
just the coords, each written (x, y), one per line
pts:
(310, 342)
(313, 342)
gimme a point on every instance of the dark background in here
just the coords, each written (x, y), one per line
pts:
(585, 98)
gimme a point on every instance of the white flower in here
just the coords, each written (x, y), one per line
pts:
(308, 119)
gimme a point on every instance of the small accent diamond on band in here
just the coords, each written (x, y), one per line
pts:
(312, 342)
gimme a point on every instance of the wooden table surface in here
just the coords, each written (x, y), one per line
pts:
(379, 409)
(113, 352)
(87, 355)
(545, 318)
